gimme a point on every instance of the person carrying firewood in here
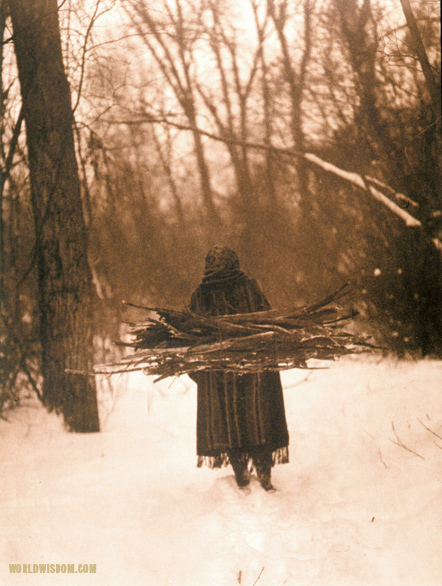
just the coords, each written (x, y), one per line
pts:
(240, 417)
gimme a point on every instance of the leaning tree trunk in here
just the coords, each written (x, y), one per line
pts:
(65, 286)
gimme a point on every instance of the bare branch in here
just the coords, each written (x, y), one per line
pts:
(260, 574)
(84, 52)
(12, 148)
(400, 443)
(423, 57)
(428, 429)
(382, 460)
(364, 183)
(357, 180)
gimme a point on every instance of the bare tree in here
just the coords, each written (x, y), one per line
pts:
(64, 280)
(315, 118)
(312, 232)
(231, 104)
(421, 53)
(170, 42)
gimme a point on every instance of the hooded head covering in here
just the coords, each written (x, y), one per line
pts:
(221, 263)
(221, 258)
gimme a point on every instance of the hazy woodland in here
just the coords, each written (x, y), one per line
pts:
(303, 134)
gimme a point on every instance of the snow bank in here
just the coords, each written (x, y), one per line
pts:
(352, 508)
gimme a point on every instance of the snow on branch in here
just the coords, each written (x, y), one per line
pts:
(359, 181)
(437, 243)
(367, 183)
(404, 199)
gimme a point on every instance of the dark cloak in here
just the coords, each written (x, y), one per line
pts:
(240, 412)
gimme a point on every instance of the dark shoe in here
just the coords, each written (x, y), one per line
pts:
(242, 475)
(262, 460)
(241, 468)
(264, 478)
(243, 481)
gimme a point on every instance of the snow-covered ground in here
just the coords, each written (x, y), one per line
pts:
(352, 508)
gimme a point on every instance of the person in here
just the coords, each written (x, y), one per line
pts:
(240, 417)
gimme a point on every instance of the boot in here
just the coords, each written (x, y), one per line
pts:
(263, 466)
(240, 467)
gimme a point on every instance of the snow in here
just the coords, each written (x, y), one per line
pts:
(361, 182)
(353, 507)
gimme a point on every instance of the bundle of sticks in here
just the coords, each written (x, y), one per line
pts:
(171, 343)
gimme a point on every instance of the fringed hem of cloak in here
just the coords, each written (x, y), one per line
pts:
(279, 456)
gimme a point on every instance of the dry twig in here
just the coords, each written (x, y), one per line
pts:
(428, 429)
(170, 342)
(402, 445)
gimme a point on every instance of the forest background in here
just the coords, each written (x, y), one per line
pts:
(135, 134)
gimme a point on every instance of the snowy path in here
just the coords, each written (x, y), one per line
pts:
(352, 507)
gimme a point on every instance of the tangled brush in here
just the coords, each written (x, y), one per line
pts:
(172, 342)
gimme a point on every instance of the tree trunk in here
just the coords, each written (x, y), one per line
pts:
(2, 29)
(421, 53)
(65, 286)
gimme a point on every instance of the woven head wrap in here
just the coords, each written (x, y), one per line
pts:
(221, 259)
